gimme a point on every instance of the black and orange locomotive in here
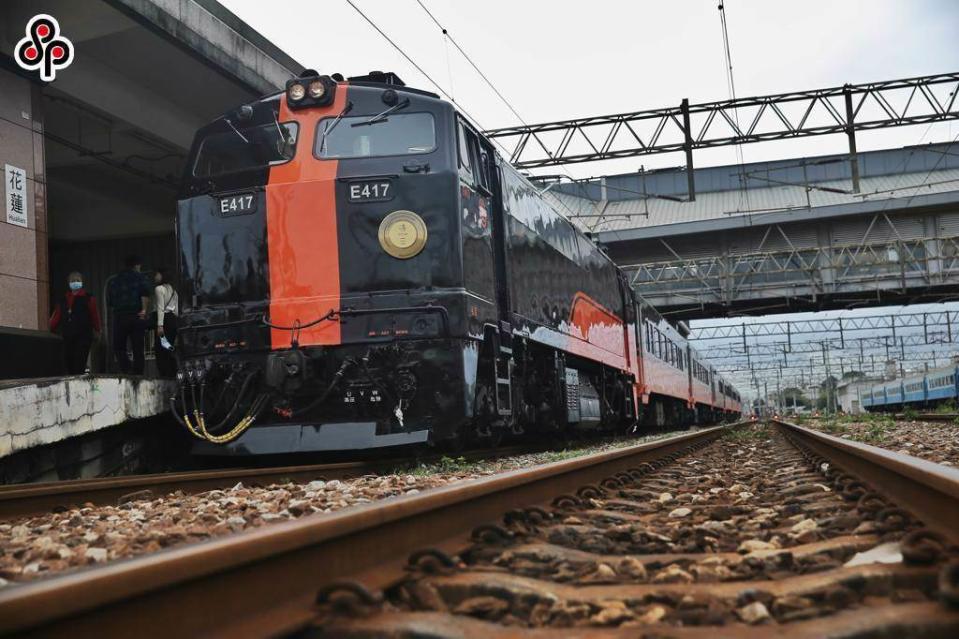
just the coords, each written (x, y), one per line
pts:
(359, 269)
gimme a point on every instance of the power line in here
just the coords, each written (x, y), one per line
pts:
(472, 64)
(411, 61)
(731, 85)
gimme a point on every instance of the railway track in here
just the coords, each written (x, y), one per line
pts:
(742, 529)
(29, 499)
(931, 417)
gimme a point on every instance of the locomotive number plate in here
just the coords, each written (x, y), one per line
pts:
(237, 204)
(379, 191)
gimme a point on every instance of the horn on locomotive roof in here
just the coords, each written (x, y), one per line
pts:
(380, 77)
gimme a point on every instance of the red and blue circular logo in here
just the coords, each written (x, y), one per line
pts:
(43, 49)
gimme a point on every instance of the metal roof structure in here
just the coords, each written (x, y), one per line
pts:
(646, 205)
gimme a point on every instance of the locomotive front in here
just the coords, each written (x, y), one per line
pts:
(322, 274)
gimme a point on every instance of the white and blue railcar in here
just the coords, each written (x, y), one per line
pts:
(914, 389)
(933, 387)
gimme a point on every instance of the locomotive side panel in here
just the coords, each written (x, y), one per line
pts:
(475, 211)
(564, 291)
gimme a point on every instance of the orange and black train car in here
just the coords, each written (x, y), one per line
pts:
(359, 268)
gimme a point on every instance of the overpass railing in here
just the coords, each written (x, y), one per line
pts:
(852, 268)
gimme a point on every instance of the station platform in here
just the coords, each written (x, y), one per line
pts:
(40, 412)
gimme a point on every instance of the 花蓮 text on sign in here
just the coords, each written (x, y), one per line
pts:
(15, 195)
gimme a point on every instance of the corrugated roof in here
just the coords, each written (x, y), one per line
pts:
(643, 212)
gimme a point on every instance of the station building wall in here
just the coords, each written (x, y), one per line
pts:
(24, 285)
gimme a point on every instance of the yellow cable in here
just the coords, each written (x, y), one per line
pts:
(201, 432)
(237, 430)
(189, 425)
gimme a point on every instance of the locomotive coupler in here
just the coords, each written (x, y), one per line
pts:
(286, 371)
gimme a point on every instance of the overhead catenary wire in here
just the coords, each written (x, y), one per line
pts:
(731, 85)
(409, 59)
(466, 56)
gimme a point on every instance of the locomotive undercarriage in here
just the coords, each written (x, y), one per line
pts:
(549, 392)
(326, 397)
(445, 392)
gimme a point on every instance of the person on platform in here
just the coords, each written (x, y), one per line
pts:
(167, 304)
(129, 296)
(77, 319)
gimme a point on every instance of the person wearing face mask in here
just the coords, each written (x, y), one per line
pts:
(167, 305)
(76, 318)
(128, 296)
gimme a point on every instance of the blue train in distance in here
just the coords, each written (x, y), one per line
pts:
(913, 391)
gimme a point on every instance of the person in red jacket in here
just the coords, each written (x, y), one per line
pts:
(76, 318)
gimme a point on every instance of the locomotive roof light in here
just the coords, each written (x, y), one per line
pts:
(310, 90)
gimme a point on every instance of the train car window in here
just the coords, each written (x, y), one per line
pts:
(250, 149)
(399, 134)
(488, 167)
(463, 153)
(477, 160)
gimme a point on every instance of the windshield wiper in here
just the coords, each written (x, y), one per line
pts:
(382, 117)
(332, 125)
(237, 131)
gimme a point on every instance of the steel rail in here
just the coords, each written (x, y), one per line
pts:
(264, 581)
(927, 489)
(929, 417)
(30, 499)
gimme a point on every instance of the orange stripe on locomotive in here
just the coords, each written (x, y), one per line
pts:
(302, 235)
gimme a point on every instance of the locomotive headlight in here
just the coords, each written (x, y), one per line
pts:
(310, 90)
(296, 92)
(403, 234)
(317, 89)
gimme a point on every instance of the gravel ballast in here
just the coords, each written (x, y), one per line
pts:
(37, 546)
(933, 441)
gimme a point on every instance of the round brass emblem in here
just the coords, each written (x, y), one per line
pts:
(403, 234)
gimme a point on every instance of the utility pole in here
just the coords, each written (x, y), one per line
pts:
(830, 392)
(779, 389)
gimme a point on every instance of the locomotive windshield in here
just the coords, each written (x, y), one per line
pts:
(359, 137)
(238, 150)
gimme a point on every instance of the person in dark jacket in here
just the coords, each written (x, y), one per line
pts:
(77, 319)
(128, 296)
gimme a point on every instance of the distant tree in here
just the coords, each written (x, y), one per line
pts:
(827, 389)
(853, 375)
(793, 396)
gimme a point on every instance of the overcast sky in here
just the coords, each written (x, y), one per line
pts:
(557, 60)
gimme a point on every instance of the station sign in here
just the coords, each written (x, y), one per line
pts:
(15, 195)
